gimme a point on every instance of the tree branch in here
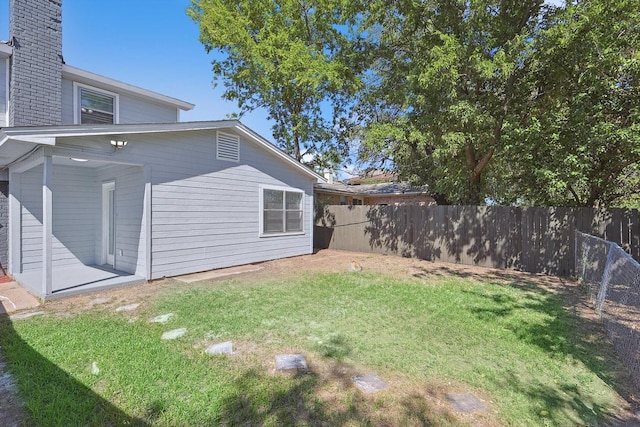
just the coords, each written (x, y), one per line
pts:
(575, 195)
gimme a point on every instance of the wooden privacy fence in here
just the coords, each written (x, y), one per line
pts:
(536, 240)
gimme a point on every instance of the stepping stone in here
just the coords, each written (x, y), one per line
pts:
(99, 301)
(174, 333)
(465, 402)
(289, 362)
(369, 382)
(163, 318)
(25, 315)
(129, 307)
(220, 348)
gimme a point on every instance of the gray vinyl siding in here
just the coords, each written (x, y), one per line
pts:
(205, 212)
(31, 219)
(76, 214)
(210, 219)
(129, 187)
(4, 96)
(75, 217)
(131, 109)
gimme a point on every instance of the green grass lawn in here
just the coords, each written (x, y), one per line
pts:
(512, 345)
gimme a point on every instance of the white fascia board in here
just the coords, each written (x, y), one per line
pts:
(117, 129)
(38, 140)
(275, 150)
(31, 139)
(5, 50)
(82, 76)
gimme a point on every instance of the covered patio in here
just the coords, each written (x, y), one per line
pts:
(77, 220)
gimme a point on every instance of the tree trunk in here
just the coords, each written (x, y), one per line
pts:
(475, 168)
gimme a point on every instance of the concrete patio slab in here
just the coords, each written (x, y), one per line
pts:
(163, 318)
(14, 297)
(77, 279)
(465, 402)
(216, 274)
(174, 334)
(369, 382)
(290, 362)
(220, 348)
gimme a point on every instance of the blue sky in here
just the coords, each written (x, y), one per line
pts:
(148, 43)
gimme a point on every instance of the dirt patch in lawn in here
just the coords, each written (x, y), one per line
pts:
(423, 398)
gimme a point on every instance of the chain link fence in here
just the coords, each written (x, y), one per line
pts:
(612, 277)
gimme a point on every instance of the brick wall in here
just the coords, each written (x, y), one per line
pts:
(35, 27)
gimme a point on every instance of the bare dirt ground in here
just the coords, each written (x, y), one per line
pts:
(338, 261)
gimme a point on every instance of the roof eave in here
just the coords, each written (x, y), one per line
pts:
(74, 73)
(5, 50)
(48, 132)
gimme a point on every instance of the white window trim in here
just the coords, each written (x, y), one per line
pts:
(261, 232)
(76, 101)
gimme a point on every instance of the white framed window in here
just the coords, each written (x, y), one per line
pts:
(94, 106)
(281, 211)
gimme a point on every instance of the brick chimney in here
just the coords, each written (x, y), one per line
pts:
(35, 91)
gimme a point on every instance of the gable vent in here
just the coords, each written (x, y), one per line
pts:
(227, 147)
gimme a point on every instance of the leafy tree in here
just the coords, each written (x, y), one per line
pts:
(443, 86)
(288, 57)
(578, 140)
(519, 102)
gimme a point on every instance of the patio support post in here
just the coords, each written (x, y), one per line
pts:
(47, 226)
(15, 232)
(147, 221)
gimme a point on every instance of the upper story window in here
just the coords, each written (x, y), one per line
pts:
(95, 106)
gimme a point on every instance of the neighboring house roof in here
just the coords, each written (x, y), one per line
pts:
(374, 176)
(16, 142)
(385, 188)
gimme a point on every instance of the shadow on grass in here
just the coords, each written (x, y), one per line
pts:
(52, 397)
(263, 400)
(568, 327)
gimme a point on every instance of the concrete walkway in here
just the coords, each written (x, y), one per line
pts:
(14, 297)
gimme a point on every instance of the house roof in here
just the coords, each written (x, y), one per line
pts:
(380, 189)
(86, 77)
(16, 142)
